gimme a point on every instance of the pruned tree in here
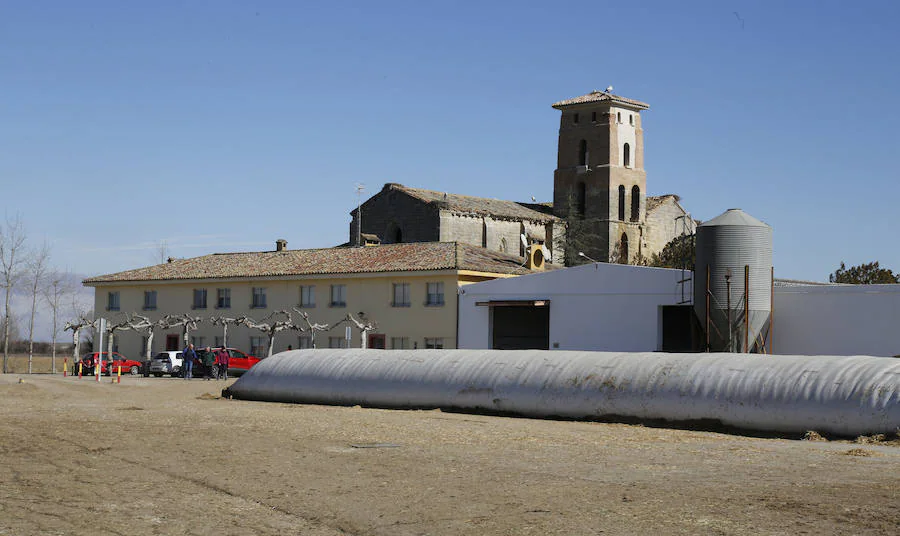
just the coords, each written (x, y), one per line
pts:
(187, 323)
(12, 259)
(364, 326)
(75, 327)
(271, 328)
(111, 330)
(37, 273)
(311, 327)
(225, 321)
(143, 324)
(864, 274)
(54, 293)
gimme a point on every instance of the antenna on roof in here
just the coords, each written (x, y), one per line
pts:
(360, 188)
(609, 89)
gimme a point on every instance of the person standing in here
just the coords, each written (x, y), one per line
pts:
(208, 360)
(222, 362)
(188, 364)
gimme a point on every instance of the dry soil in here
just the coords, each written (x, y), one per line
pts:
(168, 456)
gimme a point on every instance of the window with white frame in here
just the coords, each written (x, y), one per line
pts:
(307, 296)
(259, 298)
(338, 295)
(199, 298)
(434, 343)
(435, 296)
(223, 298)
(337, 342)
(149, 300)
(112, 301)
(198, 342)
(258, 346)
(400, 343)
(401, 295)
(304, 341)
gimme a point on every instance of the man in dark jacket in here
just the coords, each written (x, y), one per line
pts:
(208, 359)
(189, 356)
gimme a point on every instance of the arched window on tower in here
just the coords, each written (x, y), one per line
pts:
(621, 203)
(503, 246)
(635, 203)
(626, 155)
(580, 199)
(583, 155)
(623, 249)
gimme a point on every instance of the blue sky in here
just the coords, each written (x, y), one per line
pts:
(222, 126)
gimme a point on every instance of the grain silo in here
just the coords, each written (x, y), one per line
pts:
(733, 282)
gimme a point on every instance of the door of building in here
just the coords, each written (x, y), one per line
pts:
(172, 342)
(376, 341)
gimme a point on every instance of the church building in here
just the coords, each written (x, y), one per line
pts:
(600, 205)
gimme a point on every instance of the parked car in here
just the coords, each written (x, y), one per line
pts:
(168, 362)
(128, 366)
(238, 363)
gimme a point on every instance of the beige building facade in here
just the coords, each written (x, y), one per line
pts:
(409, 291)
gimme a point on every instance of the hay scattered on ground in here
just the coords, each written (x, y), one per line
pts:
(813, 436)
(207, 396)
(859, 452)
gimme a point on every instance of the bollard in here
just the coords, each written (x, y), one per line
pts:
(79, 370)
(65, 366)
(119, 375)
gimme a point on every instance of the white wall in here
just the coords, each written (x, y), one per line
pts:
(837, 320)
(592, 307)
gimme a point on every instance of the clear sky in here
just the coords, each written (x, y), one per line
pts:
(223, 126)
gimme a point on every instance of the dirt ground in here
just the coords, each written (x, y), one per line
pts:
(167, 456)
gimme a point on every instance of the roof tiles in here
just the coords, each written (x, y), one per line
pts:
(421, 256)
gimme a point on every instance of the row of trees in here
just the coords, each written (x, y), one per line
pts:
(271, 325)
(27, 270)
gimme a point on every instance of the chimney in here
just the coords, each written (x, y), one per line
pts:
(280, 244)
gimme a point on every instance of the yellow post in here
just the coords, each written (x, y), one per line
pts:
(79, 369)
(119, 375)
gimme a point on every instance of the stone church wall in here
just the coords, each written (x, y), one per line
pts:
(390, 211)
(662, 226)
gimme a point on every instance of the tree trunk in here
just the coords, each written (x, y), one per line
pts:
(31, 326)
(53, 342)
(271, 344)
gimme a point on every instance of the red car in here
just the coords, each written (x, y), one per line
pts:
(238, 362)
(129, 366)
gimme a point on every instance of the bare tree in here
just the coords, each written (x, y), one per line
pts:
(224, 321)
(161, 251)
(312, 328)
(37, 273)
(76, 326)
(137, 322)
(59, 286)
(12, 257)
(187, 323)
(271, 328)
(364, 326)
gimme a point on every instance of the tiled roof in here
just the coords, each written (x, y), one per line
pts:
(600, 96)
(483, 206)
(654, 201)
(420, 256)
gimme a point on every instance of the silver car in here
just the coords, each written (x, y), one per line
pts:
(168, 362)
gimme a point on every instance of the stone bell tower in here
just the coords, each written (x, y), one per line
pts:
(600, 185)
